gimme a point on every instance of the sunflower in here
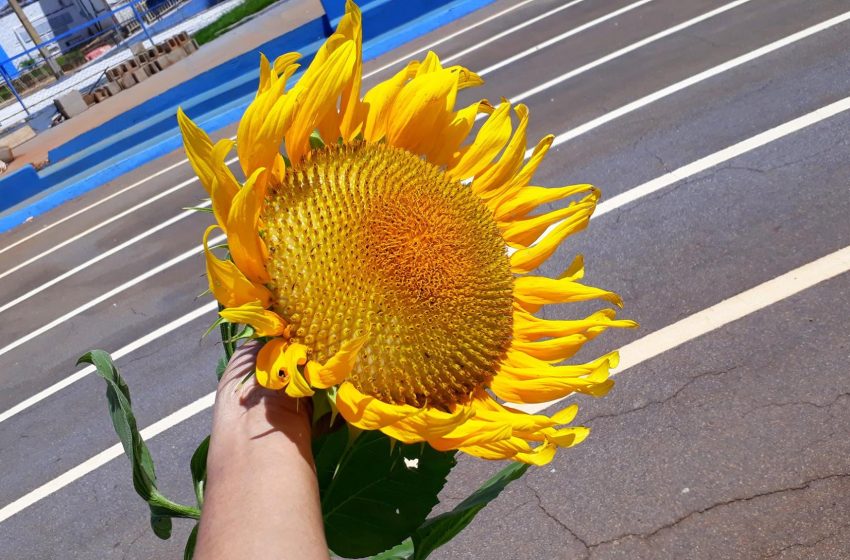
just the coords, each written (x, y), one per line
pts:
(387, 261)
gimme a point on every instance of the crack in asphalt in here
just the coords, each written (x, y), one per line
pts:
(771, 168)
(809, 544)
(827, 405)
(691, 381)
(547, 513)
(805, 485)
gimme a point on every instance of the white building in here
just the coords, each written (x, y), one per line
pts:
(51, 18)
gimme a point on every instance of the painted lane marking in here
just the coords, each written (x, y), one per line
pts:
(94, 260)
(111, 293)
(725, 312)
(460, 32)
(614, 55)
(651, 345)
(121, 352)
(105, 223)
(504, 33)
(104, 457)
(609, 205)
(92, 205)
(697, 78)
(567, 34)
(184, 160)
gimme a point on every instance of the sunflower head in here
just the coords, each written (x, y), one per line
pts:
(388, 259)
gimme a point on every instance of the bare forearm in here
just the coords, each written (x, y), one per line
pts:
(262, 499)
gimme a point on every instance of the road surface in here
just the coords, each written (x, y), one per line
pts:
(717, 132)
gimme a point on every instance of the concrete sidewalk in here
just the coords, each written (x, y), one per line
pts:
(273, 22)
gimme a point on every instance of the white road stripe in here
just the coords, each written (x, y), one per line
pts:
(504, 33)
(697, 78)
(184, 161)
(725, 312)
(92, 205)
(104, 457)
(111, 293)
(460, 32)
(105, 223)
(618, 201)
(622, 52)
(121, 352)
(94, 260)
(650, 346)
(567, 34)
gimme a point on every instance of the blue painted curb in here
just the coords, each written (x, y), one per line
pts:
(148, 131)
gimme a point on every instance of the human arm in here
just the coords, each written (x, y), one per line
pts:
(261, 496)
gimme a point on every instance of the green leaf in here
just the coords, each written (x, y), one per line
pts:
(441, 529)
(404, 551)
(161, 525)
(374, 500)
(205, 209)
(198, 466)
(124, 422)
(327, 451)
(189, 551)
(220, 367)
(316, 142)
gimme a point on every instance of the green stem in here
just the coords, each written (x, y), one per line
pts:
(226, 337)
(164, 506)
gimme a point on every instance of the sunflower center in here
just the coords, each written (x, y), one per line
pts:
(370, 238)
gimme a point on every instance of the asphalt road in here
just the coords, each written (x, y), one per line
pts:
(724, 442)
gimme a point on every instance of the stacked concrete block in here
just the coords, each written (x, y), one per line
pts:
(145, 63)
(70, 104)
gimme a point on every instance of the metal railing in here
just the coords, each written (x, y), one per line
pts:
(84, 52)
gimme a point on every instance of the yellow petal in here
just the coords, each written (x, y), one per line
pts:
(547, 384)
(567, 437)
(527, 231)
(474, 431)
(566, 415)
(224, 185)
(337, 369)
(244, 241)
(505, 449)
(296, 355)
(270, 361)
(317, 93)
(540, 456)
(265, 322)
(528, 259)
(379, 100)
(455, 132)
(526, 199)
(228, 284)
(351, 110)
(428, 424)
(369, 413)
(527, 327)
(489, 141)
(420, 105)
(198, 149)
(285, 65)
(466, 78)
(532, 292)
(495, 179)
(264, 123)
